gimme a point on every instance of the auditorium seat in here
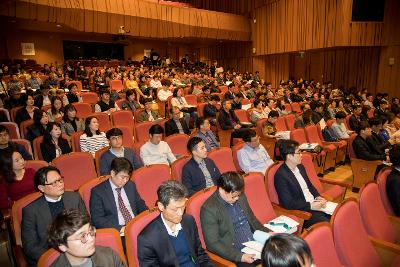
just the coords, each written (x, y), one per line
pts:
(6, 113)
(242, 115)
(127, 137)
(116, 85)
(23, 127)
(37, 152)
(142, 130)
(13, 129)
(319, 238)
(224, 135)
(89, 98)
(191, 100)
(235, 150)
(119, 102)
(289, 120)
(76, 168)
(352, 243)
(200, 109)
(280, 124)
(97, 157)
(75, 141)
(85, 190)
(35, 164)
(329, 147)
(381, 180)
(77, 83)
(13, 113)
(148, 179)
(25, 143)
(178, 144)
(133, 230)
(296, 107)
(177, 166)
(83, 110)
(223, 158)
(122, 117)
(137, 114)
(104, 121)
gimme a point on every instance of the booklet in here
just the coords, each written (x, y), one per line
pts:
(282, 224)
(330, 207)
(255, 247)
(283, 135)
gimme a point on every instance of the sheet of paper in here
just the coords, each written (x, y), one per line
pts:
(248, 250)
(254, 245)
(330, 207)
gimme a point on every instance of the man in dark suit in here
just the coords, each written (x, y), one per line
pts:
(38, 215)
(294, 188)
(393, 180)
(176, 124)
(295, 96)
(230, 94)
(361, 148)
(172, 238)
(228, 221)
(376, 141)
(199, 172)
(114, 202)
(228, 120)
(355, 119)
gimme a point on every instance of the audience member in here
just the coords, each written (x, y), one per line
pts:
(228, 221)
(156, 151)
(211, 110)
(105, 104)
(53, 145)
(237, 101)
(375, 141)
(172, 238)
(55, 113)
(70, 123)
(34, 82)
(361, 148)
(269, 128)
(15, 180)
(117, 150)
(38, 128)
(294, 188)
(73, 236)
(228, 120)
(199, 172)
(92, 139)
(43, 99)
(26, 112)
(39, 214)
(72, 96)
(204, 132)
(176, 125)
(339, 129)
(253, 157)
(130, 103)
(393, 180)
(355, 119)
(165, 90)
(6, 144)
(148, 114)
(258, 111)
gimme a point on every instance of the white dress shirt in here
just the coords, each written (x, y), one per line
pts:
(121, 220)
(306, 192)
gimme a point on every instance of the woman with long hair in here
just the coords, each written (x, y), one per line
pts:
(25, 113)
(53, 145)
(40, 121)
(16, 181)
(70, 123)
(92, 139)
(55, 112)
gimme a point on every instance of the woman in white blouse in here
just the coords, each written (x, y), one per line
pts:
(258, 111)
(92, 139)
(178, 100)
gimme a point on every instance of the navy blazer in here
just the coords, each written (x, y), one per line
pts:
(155, 248)
(365, 151)
(104, 210)
(193, 178)
(171, 127)
(224, 121)
(289, 191)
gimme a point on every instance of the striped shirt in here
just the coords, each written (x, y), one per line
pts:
(93, 143)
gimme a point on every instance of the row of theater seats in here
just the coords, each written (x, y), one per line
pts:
(356, 226)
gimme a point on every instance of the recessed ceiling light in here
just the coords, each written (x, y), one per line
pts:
(58, 26)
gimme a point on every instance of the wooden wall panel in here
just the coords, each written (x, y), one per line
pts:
(273, 68)
(389, 75)
(142, 18)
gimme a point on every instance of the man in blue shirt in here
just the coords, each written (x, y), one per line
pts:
(204, 132)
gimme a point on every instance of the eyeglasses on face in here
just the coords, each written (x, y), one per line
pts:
(56, 182)
(84, 236)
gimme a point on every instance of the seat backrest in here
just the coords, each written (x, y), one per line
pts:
(142, 130)
(259, 126)
(351, 240)
(320, 240)
(16, 214)
(85, 190)
(122, 117)
(296, 107)
(270, 176)
(76, 141)
(222, 157)
(381, 180)
(127, 138)
(352, 154)
(119, 102)
(6, 113)
(177, 143)
(48, 258)
(177, 166)
(35, 164)
(83, 110)
(137, 114)
(76, 167)
(23, 127)
(13, 129)
(97, 157)
(104, 121)
(13, 112)
(223, 89)
(280, 124)
(37, 152)
(373, 214)
(89, 98)
(133, 230)
(257, 196)
(193, 208)
(235, 150)
(78, 85)
(116, 85)
(298, 135)
(307, 161)
(242, 115)
(148, 179)
(191, 99)
(312, 134)
(290, 119)
(25, 143)
(200, 109)
(347, 121)
(330, 122)
(288, 107)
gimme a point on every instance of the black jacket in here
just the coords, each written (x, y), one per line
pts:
(364, 151)
(224, 120)
(377, 143)
(393, 192)
(171, 127)
(34, 130)
(12, 146)
(193, 178)
(210, 111)
(49, 151)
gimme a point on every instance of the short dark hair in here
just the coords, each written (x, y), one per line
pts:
(171, 190)
(375, 121)
(121, 165)
(285, 250)
(340, 115)
(102, 92)
(37, 116)
(287, 147)
(256, 102)
(231, 182)
(4, 129)
(87, 130)
(41, 175)
(192, 143)
(71, 85)
(166, 82)
(248, 135)
(114, 132)
(129, 92)
(215, 98)
(6, 162)
(175, 93)
(67, 108)
(156, 129)
(273, 114)
(67, 223)
(199, 121)
(362, 126)
(394, 155)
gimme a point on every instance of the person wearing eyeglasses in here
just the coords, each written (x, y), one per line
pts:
(38, 215)
(294, 188)
(172, 238)
(228, 221)
(72, 234)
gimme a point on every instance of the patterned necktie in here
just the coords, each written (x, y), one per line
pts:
(122, 208)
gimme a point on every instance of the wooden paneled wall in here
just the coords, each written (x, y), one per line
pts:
(141, 18)
(273, 68)
(295, 25)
